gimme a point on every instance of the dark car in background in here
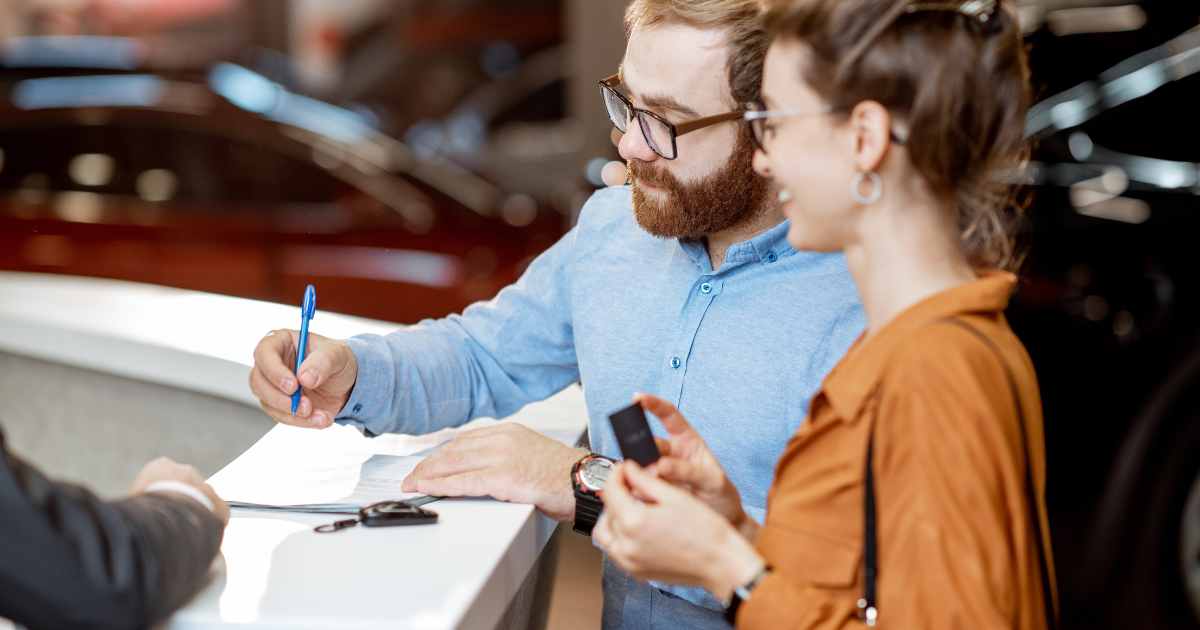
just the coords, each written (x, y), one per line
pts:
(434, 168)
(222, 180)
(1110, 305)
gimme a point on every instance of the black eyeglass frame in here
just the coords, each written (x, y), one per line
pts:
(608, 86)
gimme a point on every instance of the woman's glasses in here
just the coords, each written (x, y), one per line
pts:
(762, 130)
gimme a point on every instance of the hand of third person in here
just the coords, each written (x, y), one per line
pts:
(166, 469)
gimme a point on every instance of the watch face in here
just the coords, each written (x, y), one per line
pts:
(594, 473)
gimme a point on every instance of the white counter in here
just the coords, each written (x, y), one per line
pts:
(275, 572)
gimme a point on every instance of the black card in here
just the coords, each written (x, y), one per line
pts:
(634, 436)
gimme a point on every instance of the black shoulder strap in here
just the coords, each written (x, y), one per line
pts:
(868, 605)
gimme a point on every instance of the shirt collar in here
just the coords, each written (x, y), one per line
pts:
(767, 246)
(855, 377)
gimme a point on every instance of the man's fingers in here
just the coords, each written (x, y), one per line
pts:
(271, 397)
(614, 174)
(283, 417)
(451, 459)
(469, 484)
(665, 412)
(270, 356)
(664, 446)
(316, 368)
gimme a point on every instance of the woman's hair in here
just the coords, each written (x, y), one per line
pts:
(954, 74)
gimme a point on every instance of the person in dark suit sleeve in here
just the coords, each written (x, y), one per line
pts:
(69, 559)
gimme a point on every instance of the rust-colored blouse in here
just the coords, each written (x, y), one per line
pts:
(956, 546)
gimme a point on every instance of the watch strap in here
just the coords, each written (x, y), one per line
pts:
(588, 506)
(587, 512)
(742, 593)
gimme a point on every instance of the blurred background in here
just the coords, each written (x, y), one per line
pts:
(412, 157)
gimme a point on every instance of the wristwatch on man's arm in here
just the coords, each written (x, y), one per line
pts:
(588, 477)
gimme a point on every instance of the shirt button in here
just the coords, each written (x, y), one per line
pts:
(706, 288)
(676, 362)
(772, 257)
(357, 407)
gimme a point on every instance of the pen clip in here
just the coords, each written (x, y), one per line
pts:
(309, 307)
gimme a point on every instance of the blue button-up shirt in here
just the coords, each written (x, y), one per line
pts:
(739, 350)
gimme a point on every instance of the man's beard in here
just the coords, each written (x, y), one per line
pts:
(727, 198)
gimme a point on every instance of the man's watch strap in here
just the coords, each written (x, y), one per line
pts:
(588, 505)
(587, 512)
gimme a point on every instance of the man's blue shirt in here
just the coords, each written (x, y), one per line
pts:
(740, 350)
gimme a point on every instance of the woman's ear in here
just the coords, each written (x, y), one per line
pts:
(870, 127)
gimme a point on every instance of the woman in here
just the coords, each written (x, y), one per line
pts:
(913, 495)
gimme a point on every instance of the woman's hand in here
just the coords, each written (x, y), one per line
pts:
(688, 463)
(673, 537)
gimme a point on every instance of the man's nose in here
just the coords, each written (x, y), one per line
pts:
(633, 145)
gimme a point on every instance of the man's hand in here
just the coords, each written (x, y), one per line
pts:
(615, 173)
(327, 375)
(508, 462)
(164, 469)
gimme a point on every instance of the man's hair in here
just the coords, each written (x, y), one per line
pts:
(740, 19)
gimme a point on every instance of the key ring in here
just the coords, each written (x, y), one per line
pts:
(329, 528)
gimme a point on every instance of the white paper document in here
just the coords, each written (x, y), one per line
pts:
(337, 470)
(333, 470)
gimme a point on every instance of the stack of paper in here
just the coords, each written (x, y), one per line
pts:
(338, 471)
(333, 470)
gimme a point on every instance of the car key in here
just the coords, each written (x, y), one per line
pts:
(383, 514)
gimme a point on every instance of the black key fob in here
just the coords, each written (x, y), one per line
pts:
(392, 513)
(634, 436)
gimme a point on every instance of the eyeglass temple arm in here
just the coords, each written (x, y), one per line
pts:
(707, 121)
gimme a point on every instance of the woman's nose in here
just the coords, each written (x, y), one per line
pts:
(762, 165)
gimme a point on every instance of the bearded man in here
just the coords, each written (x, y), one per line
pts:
(681, 285)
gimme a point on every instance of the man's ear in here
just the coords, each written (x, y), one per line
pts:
(870, 132)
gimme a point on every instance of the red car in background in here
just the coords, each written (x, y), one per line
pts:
(224, 181)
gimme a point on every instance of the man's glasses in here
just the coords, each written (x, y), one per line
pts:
(762, 131)
(660, 134)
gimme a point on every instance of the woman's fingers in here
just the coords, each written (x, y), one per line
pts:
(666, 413)
(681, 472)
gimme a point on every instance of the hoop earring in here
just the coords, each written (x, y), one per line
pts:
(876, 188)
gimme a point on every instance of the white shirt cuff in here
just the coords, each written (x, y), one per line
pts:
(179, 487)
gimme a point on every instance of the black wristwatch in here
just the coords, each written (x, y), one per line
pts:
(588, 477)
(742, 593)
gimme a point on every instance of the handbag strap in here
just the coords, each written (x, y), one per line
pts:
(868, 604)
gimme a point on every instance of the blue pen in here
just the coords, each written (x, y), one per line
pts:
(307, 310)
